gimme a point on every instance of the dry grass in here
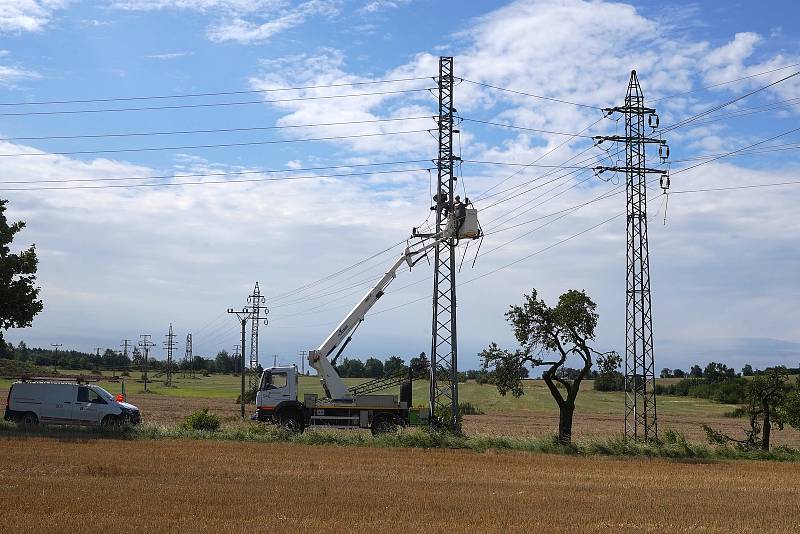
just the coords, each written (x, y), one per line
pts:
(157, 486)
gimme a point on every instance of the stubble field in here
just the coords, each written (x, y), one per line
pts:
(159, 486)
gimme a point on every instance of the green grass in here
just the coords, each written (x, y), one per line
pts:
(418, 438)
(485, 397)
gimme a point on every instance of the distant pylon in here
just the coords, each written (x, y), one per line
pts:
(256, 305)
(169, 344)
(189, 363)
(641, 422)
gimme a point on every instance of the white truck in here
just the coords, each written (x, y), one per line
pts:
(34, 401)
(277, 398)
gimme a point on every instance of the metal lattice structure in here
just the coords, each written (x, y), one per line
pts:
(169, 345)
(444, 346)
(255, 302)
(641, 422)
(189, 358)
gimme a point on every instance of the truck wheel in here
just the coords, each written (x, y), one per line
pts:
(28, 421)
(384, 423)
(291, 422)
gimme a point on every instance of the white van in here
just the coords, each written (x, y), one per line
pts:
(31, 403)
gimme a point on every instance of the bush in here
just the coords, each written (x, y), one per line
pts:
(249, 395)
(202, 420)
(609, 382)
(729, 391)
(467, 408)
(125, 373)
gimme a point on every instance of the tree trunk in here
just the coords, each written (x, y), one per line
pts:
(565, 424)
(767, 427)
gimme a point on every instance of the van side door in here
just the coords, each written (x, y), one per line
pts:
(57, 402)
(88, 406)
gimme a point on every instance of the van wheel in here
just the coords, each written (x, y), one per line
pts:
(384, 423)
(110, 421)
(291, 422)
(29, 421)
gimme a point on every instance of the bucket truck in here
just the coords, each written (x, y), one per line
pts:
(356, 407)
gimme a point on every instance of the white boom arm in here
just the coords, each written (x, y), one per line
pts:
(318, 359)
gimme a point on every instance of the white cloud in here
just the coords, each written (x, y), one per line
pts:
(27, 15)
(241, 21)
(375, 6)
(169, 55)
(11, 75)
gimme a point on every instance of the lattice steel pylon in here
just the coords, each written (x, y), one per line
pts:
(169, 345)
(188, 358)
(641, 422)
(444, 345)
(255, 305)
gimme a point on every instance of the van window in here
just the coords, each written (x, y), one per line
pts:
(88, 395)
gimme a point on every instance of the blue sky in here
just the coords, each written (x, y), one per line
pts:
(119, 262)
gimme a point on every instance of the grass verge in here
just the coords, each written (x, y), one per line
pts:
(419, 438)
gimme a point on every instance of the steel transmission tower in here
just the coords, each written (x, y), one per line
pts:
(444, 346)
(169, 345)
(641, 422)
(189, 358)
(255, 304)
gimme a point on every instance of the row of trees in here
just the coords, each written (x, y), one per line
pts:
(375, 368)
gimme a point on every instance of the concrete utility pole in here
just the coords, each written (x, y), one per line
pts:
(145, 344)
(55, 359)
(242, 315)
(169, 344)
(641, 422)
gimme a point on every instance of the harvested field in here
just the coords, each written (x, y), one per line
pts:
(166, 410)
(157, 486)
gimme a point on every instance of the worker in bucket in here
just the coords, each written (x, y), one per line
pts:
(460, 212)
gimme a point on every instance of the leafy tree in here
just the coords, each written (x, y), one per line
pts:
(696, 372)
(137, 357)
(717, 372)
(609, 378)
(225, 363)
(420, 366)
(747, 370)
(18, 291)
(373, 368)
(666, 372)
(548, 337)
(769, 402)
(678, 373)
(351, 368)
(394, 366)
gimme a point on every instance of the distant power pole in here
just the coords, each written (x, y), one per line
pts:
(97, 353)
(145, 344)
(242, 315)
(303, 355)
(169, 344)
(641, 422)
(274, 360)
(189, 358)
(237, 358)
(124, 346)
(55, 359)
(256, 305)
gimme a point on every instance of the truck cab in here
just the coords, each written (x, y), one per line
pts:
(278, 386)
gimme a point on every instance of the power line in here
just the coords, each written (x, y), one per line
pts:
(717, 107)
(551, 99)
(215, 145)
(232, 173)
(725, 82)
(208, 105)
(214, 130)
(514, 127)
(208, 182)
(218, 93)
(737, 187)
